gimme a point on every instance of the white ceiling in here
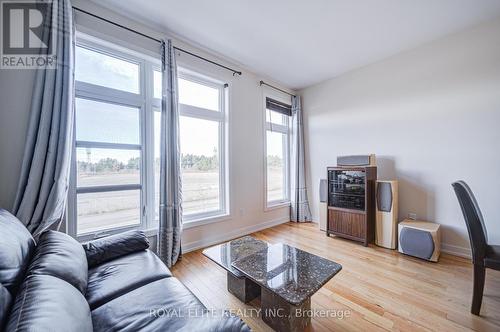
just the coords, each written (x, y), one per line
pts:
(302, 42)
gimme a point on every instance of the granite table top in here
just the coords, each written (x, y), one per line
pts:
(226, 253)
(293, 274)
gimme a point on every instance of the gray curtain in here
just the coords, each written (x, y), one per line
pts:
(299, 208)
(170, 228)
(43, 184)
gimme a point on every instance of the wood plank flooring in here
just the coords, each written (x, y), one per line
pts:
(380, 289)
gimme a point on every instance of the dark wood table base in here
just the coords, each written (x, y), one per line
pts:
(243, 288)
(253, 267)
(283, 316)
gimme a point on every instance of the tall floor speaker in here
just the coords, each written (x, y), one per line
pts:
(386, 228)
(323, 203)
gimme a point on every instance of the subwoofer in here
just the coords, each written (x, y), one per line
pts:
(386, 227)
(420, 239)
(323, 201)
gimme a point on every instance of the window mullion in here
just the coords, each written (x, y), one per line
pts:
(101, 93)
(110, 188)
(200, 113)
(148, 161)
(277, 128)
(105, 145)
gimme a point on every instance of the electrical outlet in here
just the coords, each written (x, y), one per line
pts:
(412, 216)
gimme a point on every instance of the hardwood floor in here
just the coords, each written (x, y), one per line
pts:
(379, 288)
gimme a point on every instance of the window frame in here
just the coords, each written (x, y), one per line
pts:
(148, 105)
(283, 129)
(144, 102)
(220, 117)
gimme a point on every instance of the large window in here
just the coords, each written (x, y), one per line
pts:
(111, 181)
(116, 164)
(277, 152)
(202, 104)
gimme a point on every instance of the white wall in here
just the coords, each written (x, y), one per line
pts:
(246, 147)
(432, 116)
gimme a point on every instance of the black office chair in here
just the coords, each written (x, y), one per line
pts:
(483, 255)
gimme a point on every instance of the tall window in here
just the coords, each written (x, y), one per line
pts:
(202, 104)
(277, 152)
(110, 181)
(116, 164)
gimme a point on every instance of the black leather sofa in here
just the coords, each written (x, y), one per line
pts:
(111, 284)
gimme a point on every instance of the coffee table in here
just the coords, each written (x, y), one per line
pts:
(288, 278)
(284, 276)
(226, 253)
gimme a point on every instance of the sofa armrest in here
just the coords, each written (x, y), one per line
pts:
(110, 247)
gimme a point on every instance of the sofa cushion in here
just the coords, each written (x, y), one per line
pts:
(47, 303)
(119, 276)
(16, 248)
(5, 302)
(110, 247)
(59, 255)
(163, 305)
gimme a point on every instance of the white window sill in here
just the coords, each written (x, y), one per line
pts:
(154, 231)
(205, 221)
(276, 205)
(194, 223)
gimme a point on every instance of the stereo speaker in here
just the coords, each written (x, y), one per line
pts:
(386, 227)
(420, 239)
(359, 160)
(323, 201)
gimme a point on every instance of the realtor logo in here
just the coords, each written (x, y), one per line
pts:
(27, 36)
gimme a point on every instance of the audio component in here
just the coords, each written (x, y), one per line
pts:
(359, 160)
(386, 227)
(420, 239)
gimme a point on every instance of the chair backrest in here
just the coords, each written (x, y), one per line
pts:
(473, 219)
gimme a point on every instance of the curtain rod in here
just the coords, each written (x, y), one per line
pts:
(275, 88)
(156, 40)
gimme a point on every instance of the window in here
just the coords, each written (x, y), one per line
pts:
(277, 152)
(116, 164)
(112, 182)
(202, 139)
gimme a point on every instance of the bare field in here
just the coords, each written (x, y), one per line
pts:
(100, 211)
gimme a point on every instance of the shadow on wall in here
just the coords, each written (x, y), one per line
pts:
(415, 196)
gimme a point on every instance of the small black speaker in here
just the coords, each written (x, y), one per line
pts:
(359, 160)
(323, 190)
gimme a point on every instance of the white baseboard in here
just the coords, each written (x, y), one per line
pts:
(195, 245)
(456, 250)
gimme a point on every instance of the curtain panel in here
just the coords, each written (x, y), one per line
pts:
(170, 227)
(41, 196)
(299, 208)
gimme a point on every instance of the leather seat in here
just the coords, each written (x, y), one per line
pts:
(48, 286)
(47, 303)
(119, 276)
(16, 248)
(60, 256)
(163, 305)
